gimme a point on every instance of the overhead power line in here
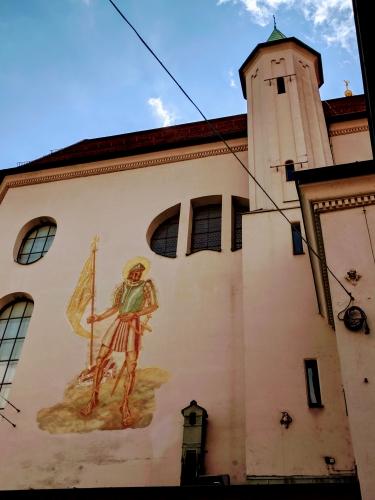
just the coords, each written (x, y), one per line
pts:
(221, 137)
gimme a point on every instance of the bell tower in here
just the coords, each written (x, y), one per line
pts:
(286, 126)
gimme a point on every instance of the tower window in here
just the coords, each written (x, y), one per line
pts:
(164, 238)
(239, 207)
(14, 320)
(36, 243)
(297, 238)
(280, 85)
(312, 383)
(289, 170)
(206, 228)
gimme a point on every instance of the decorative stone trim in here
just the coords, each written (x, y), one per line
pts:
(84, 171)
(348, 130)
(343, 203)
(323, 268)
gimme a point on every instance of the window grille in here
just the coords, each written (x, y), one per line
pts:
(14, 320)
(206, 230)
(164, 239)
(36, 243)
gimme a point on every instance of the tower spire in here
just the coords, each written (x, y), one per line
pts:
(276, 34)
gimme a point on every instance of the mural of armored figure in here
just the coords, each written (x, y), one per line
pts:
(133, 300)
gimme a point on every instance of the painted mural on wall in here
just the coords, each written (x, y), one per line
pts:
(112, 392)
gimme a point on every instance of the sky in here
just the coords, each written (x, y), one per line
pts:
(72, 69)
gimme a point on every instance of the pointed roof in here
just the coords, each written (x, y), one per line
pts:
(275, 35)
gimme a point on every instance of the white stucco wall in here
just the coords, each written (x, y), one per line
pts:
(348, 246)
(282, 328)
(197, 330)
(350, 141)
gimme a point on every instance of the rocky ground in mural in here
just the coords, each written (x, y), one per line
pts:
(65, 417)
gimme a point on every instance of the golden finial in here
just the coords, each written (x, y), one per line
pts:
(348, 92)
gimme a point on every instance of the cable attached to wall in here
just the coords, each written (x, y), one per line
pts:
(220, 136)
(354, 318)
(369, 235)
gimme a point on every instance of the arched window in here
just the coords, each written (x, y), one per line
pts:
(14, 320)
(36, 243)
(164, 238)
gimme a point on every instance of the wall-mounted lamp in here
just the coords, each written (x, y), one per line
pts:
(286, 419)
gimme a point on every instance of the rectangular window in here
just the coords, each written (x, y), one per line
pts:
(297, 239)
(312, 383)
(289, 171)
(206, 230)
(280, 85)
(239, 207)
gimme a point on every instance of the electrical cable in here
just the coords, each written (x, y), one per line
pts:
(341, 313)
(369, 234)
(220, 136)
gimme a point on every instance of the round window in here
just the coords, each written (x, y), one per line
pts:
(36, 243)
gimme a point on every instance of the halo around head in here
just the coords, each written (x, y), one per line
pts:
(133, 262)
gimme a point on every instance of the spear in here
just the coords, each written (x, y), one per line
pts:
(94, 249)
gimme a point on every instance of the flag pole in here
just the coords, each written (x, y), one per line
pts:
(93, 249)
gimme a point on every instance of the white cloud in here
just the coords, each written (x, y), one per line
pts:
(167, 118)
(232, 82)
(334, 18)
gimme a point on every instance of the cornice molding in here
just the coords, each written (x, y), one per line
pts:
(343, 203)
(67, 173)
(348, 130)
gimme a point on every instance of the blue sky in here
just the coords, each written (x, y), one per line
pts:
(72, 69)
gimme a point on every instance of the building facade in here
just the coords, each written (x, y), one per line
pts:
(147, 273)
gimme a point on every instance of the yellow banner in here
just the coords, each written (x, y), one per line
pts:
(82, 295)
